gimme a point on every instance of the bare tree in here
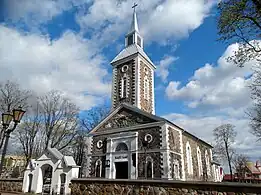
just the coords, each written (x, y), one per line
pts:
(29, 131)
(60, 119)
(11, 96)
(255, 112)
(225, 137)
(91, 118)
(239, 165)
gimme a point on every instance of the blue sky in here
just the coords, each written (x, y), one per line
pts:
(68, 44)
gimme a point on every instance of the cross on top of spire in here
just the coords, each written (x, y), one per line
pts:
(134, 6)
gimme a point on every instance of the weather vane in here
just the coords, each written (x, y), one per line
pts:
(134, 6)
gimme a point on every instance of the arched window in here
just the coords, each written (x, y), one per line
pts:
(175, 170)
(207, 162)
(149, 168)
(189, 159)
(121, 147)
(200, 168)
(124, 87)
(98, 168)
(146, 88)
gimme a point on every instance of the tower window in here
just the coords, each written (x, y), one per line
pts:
(139, 41)
(146, 88)
(130, 40)
(124, 89)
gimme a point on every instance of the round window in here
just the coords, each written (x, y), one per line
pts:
(99, 144)
(124, 68)
(148, 138)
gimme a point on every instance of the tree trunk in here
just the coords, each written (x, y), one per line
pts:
(4, 152)
(229, 161)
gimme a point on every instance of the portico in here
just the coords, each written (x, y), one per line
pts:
(121, 156)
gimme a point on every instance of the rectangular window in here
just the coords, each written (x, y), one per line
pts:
(130, 40)
(139, 41)
(124, 87)
(146, 89)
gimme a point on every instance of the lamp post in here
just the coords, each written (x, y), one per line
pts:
(16, 116)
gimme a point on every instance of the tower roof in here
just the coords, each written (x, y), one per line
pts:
(134, 22)
(131, 50)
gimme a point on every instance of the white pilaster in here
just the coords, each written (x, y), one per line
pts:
(138, 81)
(182, 157)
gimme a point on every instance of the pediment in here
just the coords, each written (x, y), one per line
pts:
(44, 157)
(125, 116)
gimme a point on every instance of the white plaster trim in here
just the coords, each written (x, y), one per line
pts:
(153, 91)
(164, 137)
(113, 89)
(138, 75)
(182, 157)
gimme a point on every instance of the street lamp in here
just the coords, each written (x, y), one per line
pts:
(6, 119)
(16, 116)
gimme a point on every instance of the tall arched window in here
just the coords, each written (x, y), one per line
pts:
(98, 168)
(146, 88)
(207, 162)
(149, 168)
(189, 159)
(200, 168)
(124, 87)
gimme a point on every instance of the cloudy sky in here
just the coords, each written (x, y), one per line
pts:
(68, 44)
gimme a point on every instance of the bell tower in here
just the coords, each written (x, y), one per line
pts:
(133, 72)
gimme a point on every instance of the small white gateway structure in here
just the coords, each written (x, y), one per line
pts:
(50, 174)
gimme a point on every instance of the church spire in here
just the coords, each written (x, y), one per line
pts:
(134, 24)
(133, 36)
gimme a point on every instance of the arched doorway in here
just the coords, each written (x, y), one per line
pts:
(63, 181)
(30, 182)
(122, 169)
(47, 171)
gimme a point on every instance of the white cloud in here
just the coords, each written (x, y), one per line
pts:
(162, 70)
(175, 19)
(70, 64)
(158, 20)
(217, 95)
(221, 86)
(34, 12)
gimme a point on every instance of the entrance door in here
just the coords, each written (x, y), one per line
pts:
(30, 182)
(121, 170)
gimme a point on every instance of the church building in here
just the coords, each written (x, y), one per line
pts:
(134, 143)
